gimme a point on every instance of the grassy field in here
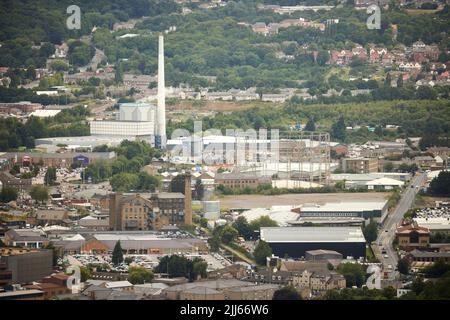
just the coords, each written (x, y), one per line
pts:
(416, 12)
(427, 201)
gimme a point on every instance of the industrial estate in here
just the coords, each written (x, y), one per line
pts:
(225, 150)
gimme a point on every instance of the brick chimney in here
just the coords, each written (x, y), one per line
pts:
(187, 199)
(115, 215)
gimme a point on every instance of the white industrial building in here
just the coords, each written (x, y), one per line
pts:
(135, 119)
(122, 128)
(384, 184)
(44, 113)
(369, 180)
(332, 213)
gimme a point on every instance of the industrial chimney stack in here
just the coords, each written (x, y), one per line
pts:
(160, 138)
(187, 199)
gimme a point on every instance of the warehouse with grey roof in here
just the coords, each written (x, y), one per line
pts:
(295, 241)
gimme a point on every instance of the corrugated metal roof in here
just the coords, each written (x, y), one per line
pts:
(312, 234)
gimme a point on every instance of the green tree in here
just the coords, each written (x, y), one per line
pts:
(85, 273)
(388, 80)
(228, 234)
(140, 275)
(147, 182)
(388, 167)
(261, 222)
(59, 65)
(117, 254)
(400, 81)
(440, 186)
(50, 176)
(199, 269)
(177, 184)
(338, 130)
(323, 57)
(199, 189)
(178, 266)
(286, 293)
(437, 269)
(118, 75)
(261, 252)
(39, 193)
(124, 182)
(370, 231)
(243, 227)
(403, 266)
(8, 194)
(310, 125)
(354, 274)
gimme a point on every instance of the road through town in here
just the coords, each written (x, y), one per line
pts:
(387, 233)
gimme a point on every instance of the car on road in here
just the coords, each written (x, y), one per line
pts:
(385, 256)
(386, 230)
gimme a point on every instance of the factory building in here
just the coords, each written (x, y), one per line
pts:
(145, 211)
(376, 210)
(296, 241)
(351, 213)
(135, 121)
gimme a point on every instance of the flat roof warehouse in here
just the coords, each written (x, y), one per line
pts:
(312, 234)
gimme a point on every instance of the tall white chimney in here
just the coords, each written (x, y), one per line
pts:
(161, 139)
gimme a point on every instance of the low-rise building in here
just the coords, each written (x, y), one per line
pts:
(360, 165)
(65, 159)
(428, 256)
(22, 295)
(145, 211)
(49, 217)
(26, 238)
(8, 180)
(52, 286)
(301, 275)
(322, 255)
(239, 180)
(425, 161)
(229, 289)
(384, 184)
(27, 265)
(412, 236)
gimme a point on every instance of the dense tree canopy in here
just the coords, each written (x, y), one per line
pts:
(178, 266)
(440, 186)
